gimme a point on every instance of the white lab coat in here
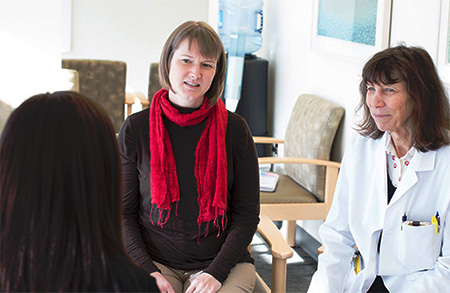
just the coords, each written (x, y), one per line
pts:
(411, 259)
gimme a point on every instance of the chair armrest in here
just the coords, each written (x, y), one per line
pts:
(268, 140)
(272, 236)
(290, 160)
(129, 101)
(129, 98)
(144, 101)
(279, 249)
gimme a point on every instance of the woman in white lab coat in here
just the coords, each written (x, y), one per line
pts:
(388, 229)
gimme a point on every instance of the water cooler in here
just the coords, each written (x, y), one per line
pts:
(240, 29)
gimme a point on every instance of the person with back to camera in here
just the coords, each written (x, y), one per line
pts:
(388, 229)
(191, 179)
(61, 197)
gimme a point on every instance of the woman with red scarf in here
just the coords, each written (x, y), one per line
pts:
(191, 180)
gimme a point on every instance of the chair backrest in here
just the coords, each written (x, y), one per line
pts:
(153, 82)
(310, 134)
(5, 110)
(104, 81)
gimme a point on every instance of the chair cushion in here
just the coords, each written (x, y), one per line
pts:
(287, 191)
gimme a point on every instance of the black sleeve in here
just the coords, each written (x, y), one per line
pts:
(130, 143)
(243, 174)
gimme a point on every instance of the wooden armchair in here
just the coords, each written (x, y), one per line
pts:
(306, 186)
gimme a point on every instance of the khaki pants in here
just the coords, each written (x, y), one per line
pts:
(241, 278)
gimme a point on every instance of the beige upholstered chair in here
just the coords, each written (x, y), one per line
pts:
(104, 81)
(306, 186)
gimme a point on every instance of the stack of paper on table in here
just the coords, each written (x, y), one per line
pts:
(267, 181)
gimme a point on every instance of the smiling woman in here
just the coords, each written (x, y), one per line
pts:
(396, 171)
(191, 178)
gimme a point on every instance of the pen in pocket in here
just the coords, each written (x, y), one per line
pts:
(357, 261)
(404, 218)
(436, 220)
(435, 223)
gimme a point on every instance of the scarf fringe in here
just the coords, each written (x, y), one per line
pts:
(160, 212)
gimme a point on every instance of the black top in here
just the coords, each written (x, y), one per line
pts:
(391, 189)
(177, 244)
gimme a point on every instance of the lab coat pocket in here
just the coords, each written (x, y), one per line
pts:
(419, 246)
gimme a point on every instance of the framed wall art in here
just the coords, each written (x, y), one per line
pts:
(351, 28)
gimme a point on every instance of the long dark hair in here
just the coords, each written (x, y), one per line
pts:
(431, 110)
(60, 196)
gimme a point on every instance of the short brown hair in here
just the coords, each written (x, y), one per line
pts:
(431, 110)
(210, 46)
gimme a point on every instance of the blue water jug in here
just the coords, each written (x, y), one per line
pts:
(241, 15)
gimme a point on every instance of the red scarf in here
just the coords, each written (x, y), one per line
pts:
(210, 159)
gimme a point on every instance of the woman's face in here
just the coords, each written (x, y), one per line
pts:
(391, 107)
(190, 75)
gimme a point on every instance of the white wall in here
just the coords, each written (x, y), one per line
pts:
(296, 68)
(133, 31)
(416, 22)
(29, 48)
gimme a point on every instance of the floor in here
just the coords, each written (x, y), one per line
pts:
(300, 267)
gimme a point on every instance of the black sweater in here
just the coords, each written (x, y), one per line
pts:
(177, 244)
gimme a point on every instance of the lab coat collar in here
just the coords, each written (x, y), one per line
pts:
(421, 162)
